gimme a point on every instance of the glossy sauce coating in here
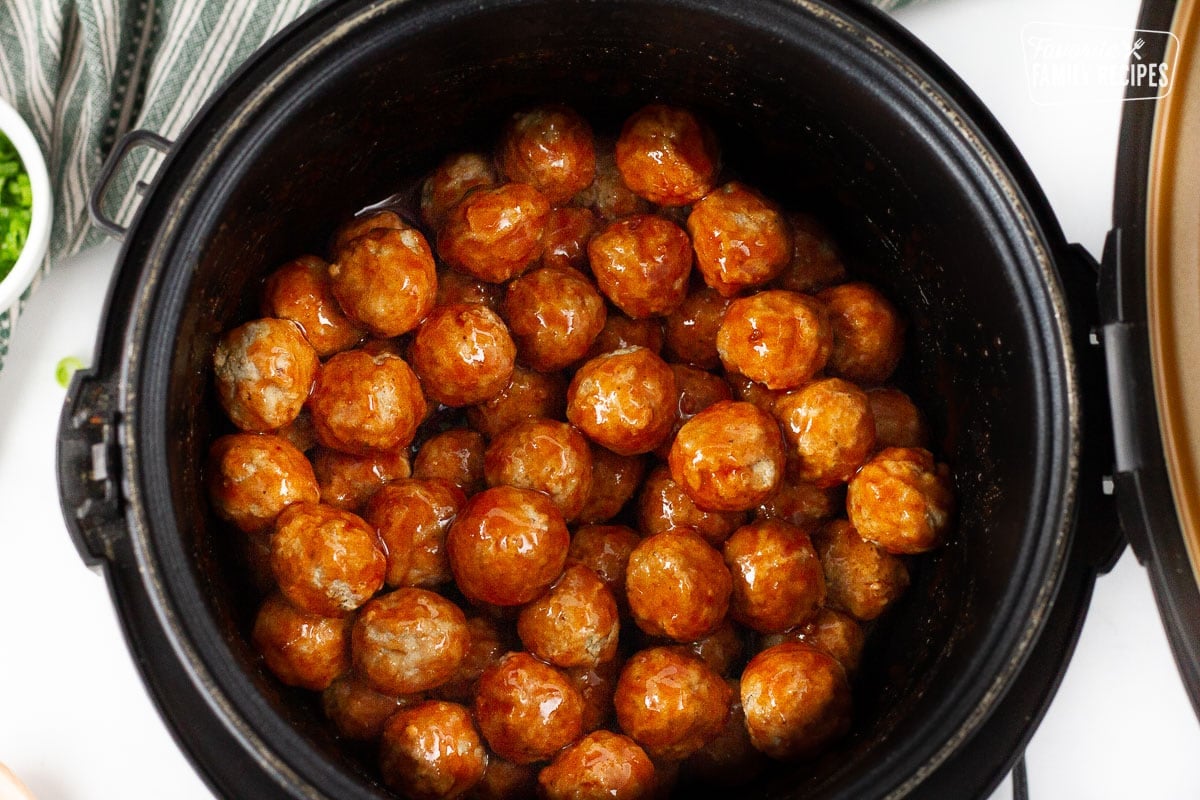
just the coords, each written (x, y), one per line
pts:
(898, 421)
(836, 633)
(691, 330)
(365, 403)
(264, 371)
(455, 455)
(722, 649)
(507, 545)
(488, 644)
(677, 586)
(663, 506)
(359, 711)
(252, 477)
(868, 333)
(301, 648)
(671, 702)
(816, 262)
(574, 624)
(568, 231)
(432, 751)
(600, 766)
(504, 780)
(453, 179)
(642, 265)
(608, 196)
(796, 700)
(753, 392)
(605, 550)
(300, 433)
(777, 578)
(829, 429)
(528, 394)
(301, 291)
(412, 516)
(327, 561)
(550, 148)
(729, 457)
(554, 315)
(621, 332)
(667, 156)
(731, 758)
(463, 354)
(741, 239)
(780, 339)
(624, 400)
(615, 479)
(495, 234)
(546, 455)
(901, 500)
(596, 685)
(527, 710)
(455, 287)
(800, 503)
(698, 390)
(347, 481)
(365, 223)
(409, 641)
(385, 279)
(861, 578)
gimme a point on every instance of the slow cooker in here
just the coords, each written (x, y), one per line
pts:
(1027, 354)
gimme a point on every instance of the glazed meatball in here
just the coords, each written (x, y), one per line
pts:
(453, 179)
(300, 432)
(327, 561)
(605, 550)
(901, 500)
(780, 339)
(301, 291)
(697, 391)
(463, 354)
(596, 685)
(504, 780)
(721, 649)
(642, 265)
(550, 148)
(796, 700)
(777, 578)
(600, 766)
(455, 287)
(348, 481)
(507, 546)
(365, 403)
(432, 751)
(667, 156)
(302, 649)
(861, 578)
(568, 231)
(868, 333)
(829, 430)
(671, 703)
(264, 373)
(691, 330)
(409, 640)
(546, 455)
(455, 455)
(624, 400)
(252, 477)
(529, 394)
(898, 421)
(836, 633)
(615, 479)
(412, 516)
(741, 239)
(488, 645)
(495, 234)
(730, 759)
(365, 223)
(527, 710)
(385, 279)
(753, 392)
(608, 196)
(554, 315)
(574, 624)
(677, 586)
(729, 457)
(620, 332)
(358, 711)
(815, 262)
(664, 506)
(799, 503)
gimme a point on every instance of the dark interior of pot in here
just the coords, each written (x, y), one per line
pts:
(805, 109)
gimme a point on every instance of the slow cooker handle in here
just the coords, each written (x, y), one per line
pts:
(126, 144)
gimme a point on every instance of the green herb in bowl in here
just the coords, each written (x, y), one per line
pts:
(16, 203)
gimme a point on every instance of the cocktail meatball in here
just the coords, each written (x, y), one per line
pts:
(667, 156)
(507, 545)
(901, 500)
(861, 578)
(264, 372)
(574, 624)
(730, 759)
(600, 766)
(365, 223)
(741, 239)
(624, 400)
(642, 265)
(365, 403)
(529, 394)
(412, 516)
(495, 234)
(504, 780)
(568, 231)
(836, 633)
(554, 315)
(671, 703)
(796, 700)
(816, 262)
(550, 148)
(596, 685)
(432, 751)
(829, 430)
(455, 455)
(546, 455)
(721, 649)
(358, 711)
(301, 291)
(780, 339)
(327, 561)
(777, 578)
(605, 550)
(615, 479)
(697, 391)
(729, 457)
(868, 333)
(348, 481)
(799, 503)
(453, 179)
(663, 506)
(677, 586)
(252, 477)
(463, 354)
(302, 649)
(608, 195)
(409, 640)
(898, 421)
(300, 433)
(488, 644)
(455, 287)
(385, 279)
(527, 710)
(621, 332)
(753, 392)
(691, 330)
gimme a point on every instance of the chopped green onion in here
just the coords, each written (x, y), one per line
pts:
(16, 201)
(65, 369)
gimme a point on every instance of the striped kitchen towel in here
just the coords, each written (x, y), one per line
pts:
(83, 72)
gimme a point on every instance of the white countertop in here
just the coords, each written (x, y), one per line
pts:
(76, 724)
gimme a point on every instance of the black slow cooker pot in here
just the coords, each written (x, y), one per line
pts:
(827, 106)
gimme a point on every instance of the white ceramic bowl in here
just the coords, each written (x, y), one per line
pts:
(22, 273)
